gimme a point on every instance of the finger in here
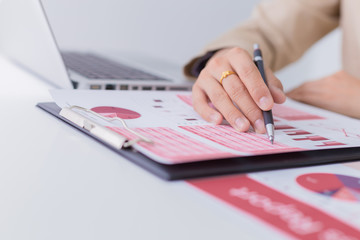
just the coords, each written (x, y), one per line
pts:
(225, 106)
(272, 79)
(239, 94)
(241, 97)
(275, 86)
(241, 61)
(201, 106)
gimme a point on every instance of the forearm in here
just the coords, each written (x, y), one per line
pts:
(285, 29)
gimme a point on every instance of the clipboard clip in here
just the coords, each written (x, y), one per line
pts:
(109, 136)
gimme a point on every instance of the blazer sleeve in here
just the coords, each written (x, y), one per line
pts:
(285, 29)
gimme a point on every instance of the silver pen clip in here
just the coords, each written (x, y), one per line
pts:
(111, 137)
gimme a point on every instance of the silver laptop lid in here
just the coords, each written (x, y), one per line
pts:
(26, 38)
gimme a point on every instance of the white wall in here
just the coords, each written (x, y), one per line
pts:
(172, 30)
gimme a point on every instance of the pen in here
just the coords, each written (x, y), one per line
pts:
(268, 117)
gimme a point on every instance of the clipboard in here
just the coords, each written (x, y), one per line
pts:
(219, 166)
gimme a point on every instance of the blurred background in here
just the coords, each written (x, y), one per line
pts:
(171, 30)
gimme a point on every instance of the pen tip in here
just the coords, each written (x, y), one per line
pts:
(256, 46)
(271, 139)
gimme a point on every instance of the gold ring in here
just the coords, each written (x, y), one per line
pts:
(225, 75)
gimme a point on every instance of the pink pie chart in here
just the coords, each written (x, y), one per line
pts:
(112, 112)
(331, 185)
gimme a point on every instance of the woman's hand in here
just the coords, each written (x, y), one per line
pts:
(241, 97)
(339, 93)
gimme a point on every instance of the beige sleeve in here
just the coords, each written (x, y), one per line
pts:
(285, 29)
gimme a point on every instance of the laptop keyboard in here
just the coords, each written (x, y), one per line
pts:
(96, 67)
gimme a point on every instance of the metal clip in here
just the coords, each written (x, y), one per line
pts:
(111, 137)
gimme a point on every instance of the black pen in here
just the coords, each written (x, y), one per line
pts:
(268, 117)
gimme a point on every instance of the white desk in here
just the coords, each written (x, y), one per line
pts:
(56, 183)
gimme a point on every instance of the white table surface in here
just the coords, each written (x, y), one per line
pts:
(56, 183)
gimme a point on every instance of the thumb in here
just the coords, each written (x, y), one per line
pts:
(275, 86)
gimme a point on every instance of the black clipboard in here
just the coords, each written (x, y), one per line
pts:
(221, 166)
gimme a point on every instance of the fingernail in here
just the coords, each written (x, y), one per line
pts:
(240, 124)
(214, 118)
(265, 103)
(279, 91)
(259, 126)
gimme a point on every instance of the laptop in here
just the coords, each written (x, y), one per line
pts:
(26, 38)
